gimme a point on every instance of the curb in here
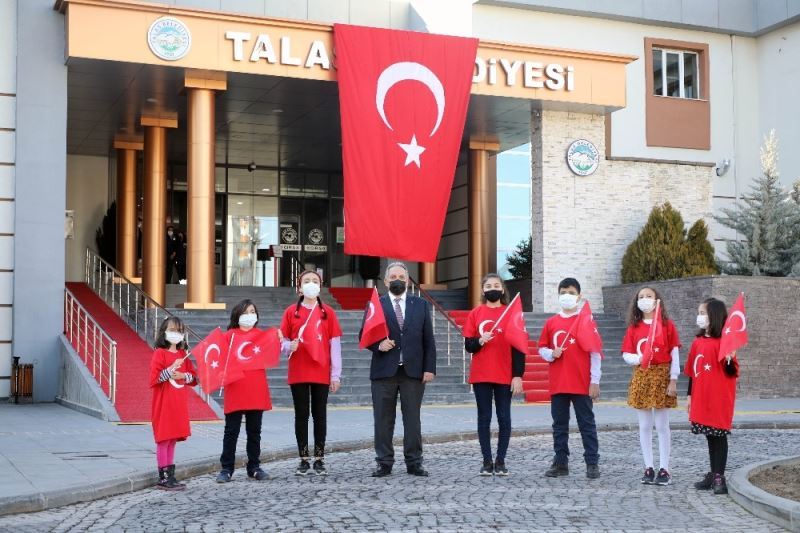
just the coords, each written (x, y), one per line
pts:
(780, 511)
(42, 501)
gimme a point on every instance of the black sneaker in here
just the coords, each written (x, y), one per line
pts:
(224, 476)
(719, 486)
(258, 475)
(488, 468)
(593, 471)
(303, 468)
(706, 483)
(663, 477)
(500, 468)
(557, 470)
(319, 468)
(649, 476)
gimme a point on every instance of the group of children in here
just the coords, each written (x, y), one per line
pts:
(495, 375)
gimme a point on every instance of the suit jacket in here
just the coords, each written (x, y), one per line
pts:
(415, 340)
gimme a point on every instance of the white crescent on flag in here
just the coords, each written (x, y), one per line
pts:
(742, 318)
(639, 346)
(239, 354)
(694, 366)
(482, 326)
(210, 348)
(555, 337)
(409, 70)
(175, 384)
(370, 312)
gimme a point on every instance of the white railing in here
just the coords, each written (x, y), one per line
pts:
(439, 315)
(143, 314)
(94, 346)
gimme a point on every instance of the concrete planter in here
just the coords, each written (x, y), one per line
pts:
(781, 511)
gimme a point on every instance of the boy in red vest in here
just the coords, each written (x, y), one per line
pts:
(574, 379)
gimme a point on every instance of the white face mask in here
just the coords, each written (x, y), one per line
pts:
(646, 305)
(310, 290)
(702, 321)
(248, 320)
(173, 337)
(567, 301)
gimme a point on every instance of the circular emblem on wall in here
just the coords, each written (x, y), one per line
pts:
(315, 236)
(289, 235)
(169, 38)
(582, 157)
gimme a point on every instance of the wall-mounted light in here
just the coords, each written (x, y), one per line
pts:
(251, 167)
(723, 167)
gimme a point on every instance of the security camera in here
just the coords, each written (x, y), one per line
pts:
(251, 167)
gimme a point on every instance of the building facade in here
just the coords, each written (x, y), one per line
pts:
(220, 117)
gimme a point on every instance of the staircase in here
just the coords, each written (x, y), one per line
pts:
(448, 387)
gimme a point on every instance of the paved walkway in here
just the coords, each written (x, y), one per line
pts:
(51, 456)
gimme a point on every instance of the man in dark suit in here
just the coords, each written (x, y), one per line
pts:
(402, 364)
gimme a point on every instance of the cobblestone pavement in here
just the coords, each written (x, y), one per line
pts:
(454, 498)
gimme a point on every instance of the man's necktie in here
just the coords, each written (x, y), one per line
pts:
(398, 312)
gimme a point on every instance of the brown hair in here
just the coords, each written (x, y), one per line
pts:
(238, 310)
(161, 336)
(635, 315)
(717, 315)
(503, 299)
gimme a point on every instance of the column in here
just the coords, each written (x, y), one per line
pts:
(427, 273)
(154, 212)
(126, 205)
(201, 87)
(481, 210)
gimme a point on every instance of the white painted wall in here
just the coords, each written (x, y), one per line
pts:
(87, 195)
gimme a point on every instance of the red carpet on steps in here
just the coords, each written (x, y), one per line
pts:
(133, 362)
(353, 298)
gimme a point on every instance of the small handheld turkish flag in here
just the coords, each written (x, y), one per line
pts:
(374, 328)
(261, 351)
(655, 337)
(211, 355)
(310, 336)
(586, 330)
(511, 325)
(403, 99)
(734, 332)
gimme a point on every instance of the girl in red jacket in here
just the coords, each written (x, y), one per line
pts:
(247, 397)
(712, 391)
(315, 366)
(170, 372)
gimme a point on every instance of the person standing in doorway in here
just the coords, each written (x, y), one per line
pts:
(401, 364)
(172, 252)
(180, 257)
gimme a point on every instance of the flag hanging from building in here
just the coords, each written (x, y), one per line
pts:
(734, 332)
(374, 328)
(403, 100)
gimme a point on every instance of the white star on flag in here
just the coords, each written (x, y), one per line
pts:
(412, 150)
(256, 349)
(655, 349)
(727, 330)
(707, 367)
(572, 341)
(319, 338)
(214, 364)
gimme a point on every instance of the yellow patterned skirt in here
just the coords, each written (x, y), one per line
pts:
(648, 388)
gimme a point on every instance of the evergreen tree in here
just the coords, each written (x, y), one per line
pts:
(699, 251)
(659, 251)
(519, 262)
(766, 219)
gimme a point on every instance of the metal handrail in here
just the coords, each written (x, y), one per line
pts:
(137, 308)
(450, 323)
(78, 326)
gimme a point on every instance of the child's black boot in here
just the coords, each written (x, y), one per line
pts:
(172, 483)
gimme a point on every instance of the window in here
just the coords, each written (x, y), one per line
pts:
(675, 73)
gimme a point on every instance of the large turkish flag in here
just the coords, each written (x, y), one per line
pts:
(403, 100)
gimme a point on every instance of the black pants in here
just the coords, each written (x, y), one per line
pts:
(502, 402)
(718, 453)
(384, 408)
(317, 395)
(180, 266)
(559, 408)
(252, 425)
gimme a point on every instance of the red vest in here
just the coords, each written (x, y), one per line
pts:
(570, 372)
(492, 364)
(636, 336)
(170, 407)
(251, 393)
(713, 391)
(302, 367)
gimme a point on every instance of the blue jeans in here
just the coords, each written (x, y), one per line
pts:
(502, 401)
(559, 408)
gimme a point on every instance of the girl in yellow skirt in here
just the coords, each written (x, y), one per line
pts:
(653, 387)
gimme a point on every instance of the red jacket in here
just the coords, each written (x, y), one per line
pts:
(170, 407)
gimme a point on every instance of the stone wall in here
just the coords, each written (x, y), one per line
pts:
(770, 363)
(583, 224)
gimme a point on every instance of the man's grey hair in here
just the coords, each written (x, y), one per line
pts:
(395, 264)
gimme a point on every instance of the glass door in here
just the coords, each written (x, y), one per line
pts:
(252, 227)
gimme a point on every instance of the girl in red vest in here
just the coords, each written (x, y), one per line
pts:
(315, 366)
(653, 388)
(712, 391)
(247, 397)
(170, 372)
(496, 371)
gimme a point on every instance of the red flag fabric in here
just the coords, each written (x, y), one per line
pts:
(512, 326)
(655, 338)
(374, 328)
(262, 350)
(211, 355)
(734, 332)
(403, 101)
(586, 330)
(311, 336)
